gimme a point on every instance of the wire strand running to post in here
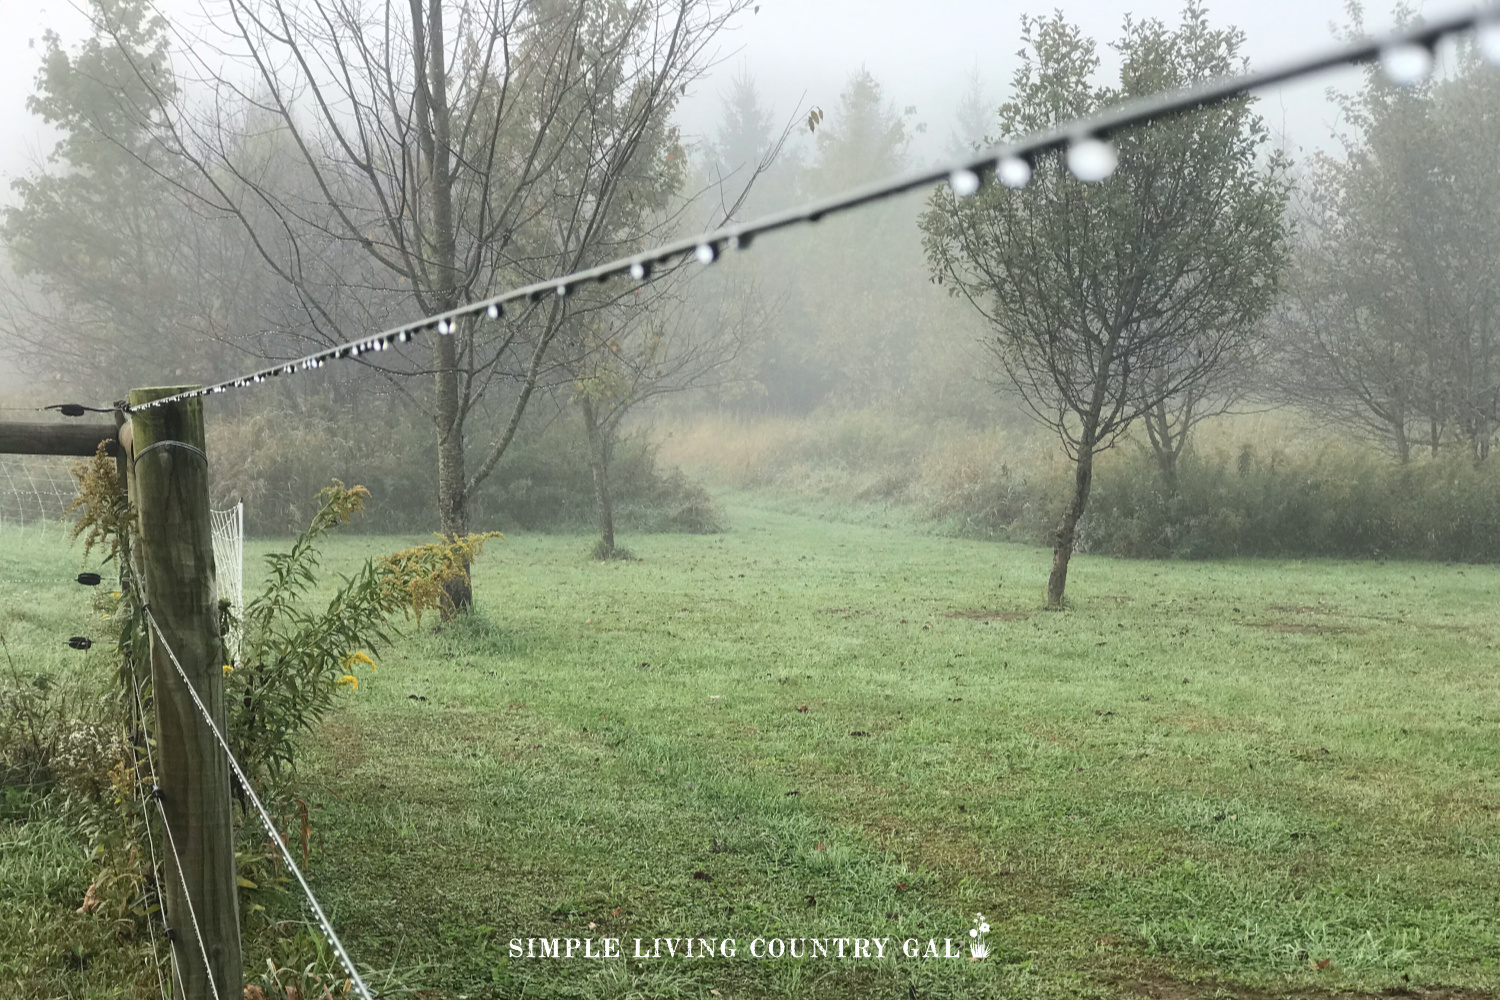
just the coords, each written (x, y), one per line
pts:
(707, 247)
(140, 724)
(186, 896)
(265, 817)
(172, 846)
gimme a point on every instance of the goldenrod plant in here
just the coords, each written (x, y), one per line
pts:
(296, 657)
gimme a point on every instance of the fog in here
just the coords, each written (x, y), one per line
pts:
(802, 51)
(895, 356)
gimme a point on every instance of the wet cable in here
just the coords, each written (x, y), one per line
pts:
(1084, 141)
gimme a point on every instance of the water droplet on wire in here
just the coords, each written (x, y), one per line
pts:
(1092, 160)
(1013, 171)
(1487, 37)
(963, 182)
(1406, 63)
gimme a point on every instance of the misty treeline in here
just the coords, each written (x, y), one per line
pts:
(306, 171)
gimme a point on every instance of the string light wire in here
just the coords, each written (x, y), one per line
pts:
(1082, 133)
(265, 817)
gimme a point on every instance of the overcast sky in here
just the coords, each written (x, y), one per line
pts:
(920, 51)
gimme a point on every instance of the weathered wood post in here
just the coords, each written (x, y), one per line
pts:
(170, 479)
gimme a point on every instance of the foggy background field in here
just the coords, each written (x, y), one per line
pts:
(827, 367)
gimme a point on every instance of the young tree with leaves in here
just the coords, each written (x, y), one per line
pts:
(1107, 298)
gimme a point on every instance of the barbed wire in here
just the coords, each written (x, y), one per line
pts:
(1406, 56)
(264, 815)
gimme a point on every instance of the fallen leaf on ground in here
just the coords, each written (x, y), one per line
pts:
(91, 900)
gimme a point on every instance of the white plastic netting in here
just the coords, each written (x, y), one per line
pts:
(35, 491)
(229, 564)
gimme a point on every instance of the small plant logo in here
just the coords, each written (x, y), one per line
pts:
(978, 947)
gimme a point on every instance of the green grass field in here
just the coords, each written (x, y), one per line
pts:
(1231, 779)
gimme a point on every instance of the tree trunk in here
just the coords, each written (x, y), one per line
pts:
(1166, 461)
(1403, 444)
(433, 117)
(599, 460)
(453, 498)
(1163, 444)
(1067, 529)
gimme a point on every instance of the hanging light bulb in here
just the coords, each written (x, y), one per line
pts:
(640, 270)
(707, 253)
(494, 311)
(1487, 37)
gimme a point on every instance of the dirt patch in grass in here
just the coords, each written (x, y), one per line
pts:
(845, 613)
(986, 615)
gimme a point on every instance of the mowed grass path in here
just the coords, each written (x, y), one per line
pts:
(1260, 777)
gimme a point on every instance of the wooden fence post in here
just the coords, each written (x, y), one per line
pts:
(170, 477)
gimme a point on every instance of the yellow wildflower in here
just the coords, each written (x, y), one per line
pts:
(115, 594)
(228, 670)
(351, 680)
(353, 659)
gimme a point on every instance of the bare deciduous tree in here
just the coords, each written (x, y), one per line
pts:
(453, 149)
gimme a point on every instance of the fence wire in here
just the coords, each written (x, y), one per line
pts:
(265, 817)
(139, 720)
